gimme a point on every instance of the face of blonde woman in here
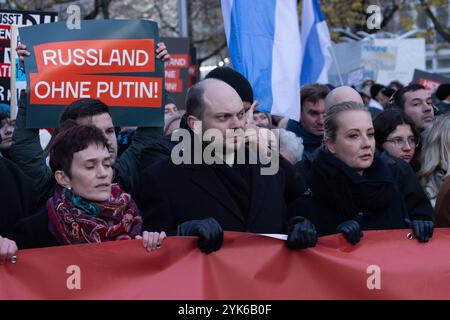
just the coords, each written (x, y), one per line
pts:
(354, 143)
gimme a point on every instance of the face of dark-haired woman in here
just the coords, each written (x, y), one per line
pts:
(91, 174)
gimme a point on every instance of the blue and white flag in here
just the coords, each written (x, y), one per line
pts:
(264, 45)
(316, 44)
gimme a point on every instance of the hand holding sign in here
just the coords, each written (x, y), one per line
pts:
(22, 52)
(162, 53)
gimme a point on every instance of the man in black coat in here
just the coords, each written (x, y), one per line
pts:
(16, 197)
(196, 198)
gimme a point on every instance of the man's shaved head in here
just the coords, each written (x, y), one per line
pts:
(342, 94)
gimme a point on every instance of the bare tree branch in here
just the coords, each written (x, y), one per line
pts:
(437, 25)
(94, 13)
(161, 18)
(389, 14)
(105, 8)
(212, 54)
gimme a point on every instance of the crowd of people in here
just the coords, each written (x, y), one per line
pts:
(373, 159)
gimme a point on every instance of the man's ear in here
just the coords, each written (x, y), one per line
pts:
(62, 179)
(194, 124)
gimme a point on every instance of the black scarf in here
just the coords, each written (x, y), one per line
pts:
(348, 193)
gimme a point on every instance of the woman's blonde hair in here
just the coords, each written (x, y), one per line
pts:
(331, 119)
(435, 149)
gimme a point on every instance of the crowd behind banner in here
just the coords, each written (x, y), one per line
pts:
(373, 157)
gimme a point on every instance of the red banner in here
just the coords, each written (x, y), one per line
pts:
(384, 265)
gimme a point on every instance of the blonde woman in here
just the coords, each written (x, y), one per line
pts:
(434, 159)
(352, 188)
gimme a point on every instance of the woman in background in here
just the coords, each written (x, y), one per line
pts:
(396, 134)
(435, 158)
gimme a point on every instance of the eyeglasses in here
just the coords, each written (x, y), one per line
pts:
(401, 143)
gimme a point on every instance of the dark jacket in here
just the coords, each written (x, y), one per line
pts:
(33, 231)
(417, 204)
(172, 194)
(27, 153)
(16, 196)
(443, 107)
(156, 150)
(386, 194)
(310, 141)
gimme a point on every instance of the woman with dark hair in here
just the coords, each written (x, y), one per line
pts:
(86, 206)
(396, 133)
(351, 188)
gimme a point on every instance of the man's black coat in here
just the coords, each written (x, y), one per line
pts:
(16, 196)
(172, 194)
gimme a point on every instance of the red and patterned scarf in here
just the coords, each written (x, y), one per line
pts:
(73, 220)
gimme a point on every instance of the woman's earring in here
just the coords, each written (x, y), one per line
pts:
(69, 188)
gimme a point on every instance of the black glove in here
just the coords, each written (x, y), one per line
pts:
(209, 231)
(423, 229)
(351, 230)
(301, 233)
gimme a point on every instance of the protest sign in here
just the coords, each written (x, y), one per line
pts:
(110, 60)
(378, 57)
(177, 69)
(8, 20)
(430, 81)
(193, 69)
(355, 77)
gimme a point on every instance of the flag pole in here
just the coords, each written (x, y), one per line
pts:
(336, 65)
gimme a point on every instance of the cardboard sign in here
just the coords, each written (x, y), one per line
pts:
(378, 57)
(355, 77)
(9, 18)
(109, 60)
(193, 68)
(177, 69)
(430, 81)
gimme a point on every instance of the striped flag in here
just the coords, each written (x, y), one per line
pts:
(264, 45)
(316, 44)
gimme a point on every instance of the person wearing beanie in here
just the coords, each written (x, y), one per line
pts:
(237, 81)
(443, 94)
